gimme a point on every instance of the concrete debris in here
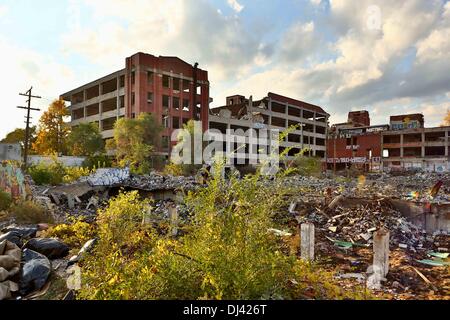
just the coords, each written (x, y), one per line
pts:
(108, 177)
(280, 233)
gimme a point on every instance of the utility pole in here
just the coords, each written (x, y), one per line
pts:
(27, 129)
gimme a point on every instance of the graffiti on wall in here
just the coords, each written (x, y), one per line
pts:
(12, 180)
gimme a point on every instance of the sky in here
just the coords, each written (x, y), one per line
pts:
(387, 57)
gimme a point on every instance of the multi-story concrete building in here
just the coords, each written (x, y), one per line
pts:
(276, 112)
(411, 146)
(167, 87)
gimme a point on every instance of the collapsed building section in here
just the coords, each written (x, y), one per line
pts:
(272, 112)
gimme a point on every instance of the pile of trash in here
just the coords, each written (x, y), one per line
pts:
(25, 261)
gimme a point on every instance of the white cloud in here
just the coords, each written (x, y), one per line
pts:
(3, 10)
(235, 5)
(26, 68)
(316, 2)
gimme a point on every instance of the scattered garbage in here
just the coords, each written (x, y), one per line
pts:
(50, 247)
(35, 271)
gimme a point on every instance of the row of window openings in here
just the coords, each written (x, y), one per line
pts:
(166, 101)
(176, 124)
(167, 82)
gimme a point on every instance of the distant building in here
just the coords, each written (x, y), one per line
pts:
(411, 146)
(276, 112)
(355, 143)
(10, 151)
(167, 87)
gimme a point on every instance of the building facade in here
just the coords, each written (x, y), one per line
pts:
(167, 87)
(411, 146)
(275, 112)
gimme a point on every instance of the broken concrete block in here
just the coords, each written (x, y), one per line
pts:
(307, 241)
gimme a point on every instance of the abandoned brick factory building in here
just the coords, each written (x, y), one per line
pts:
(169, 88)
(404, 144)
(275, 112)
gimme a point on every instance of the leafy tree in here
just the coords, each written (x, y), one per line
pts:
(134, 141)
(86, 140)
(53, 131)
(18, 136)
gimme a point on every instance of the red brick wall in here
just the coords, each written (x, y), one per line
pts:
(365, 142)
(141, 62)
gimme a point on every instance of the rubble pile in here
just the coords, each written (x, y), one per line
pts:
(357, 224)
(156, 181)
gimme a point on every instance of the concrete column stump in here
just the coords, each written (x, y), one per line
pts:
(381, 251)
(307, 241)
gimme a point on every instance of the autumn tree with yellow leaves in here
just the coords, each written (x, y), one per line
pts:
(53, 130)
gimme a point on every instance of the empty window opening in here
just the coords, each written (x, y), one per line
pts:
(434, 151)
(186, 85)
(308, 115)
(412, 138)
(176, 84)
(109, 105)
(176, 122)
(109, 86)
(78, 114)
(186, 106)
(294, 138)
(77, 97)
(122, 101)
(320, 142)
(122, 81)
(222, 127)
(294, 112)
(166, 81)
(165, 121)
(108, 124)
(133, 98)
(92, 92)
(150, 75)
(278, 122)
(92, 110)
(321, 118)
(133, 77)
(391, 139)
(166, 101)
(149, 97)
(412, 152)
(176, 103)
(435, 136)
(320, 129)
(278, 107)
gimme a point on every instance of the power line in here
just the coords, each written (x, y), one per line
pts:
(27, 129)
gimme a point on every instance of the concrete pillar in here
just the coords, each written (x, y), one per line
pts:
(381, 251)
(422, 152)
(446, 143)
(401, 145)
(307, 241)
(173, 215)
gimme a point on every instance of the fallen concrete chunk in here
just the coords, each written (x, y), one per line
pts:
(35, 271)
(108, 176)
(50, 247)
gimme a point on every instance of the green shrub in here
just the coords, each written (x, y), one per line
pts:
(48, 174)
(5, 200)
(30, 212)
(95, 162)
